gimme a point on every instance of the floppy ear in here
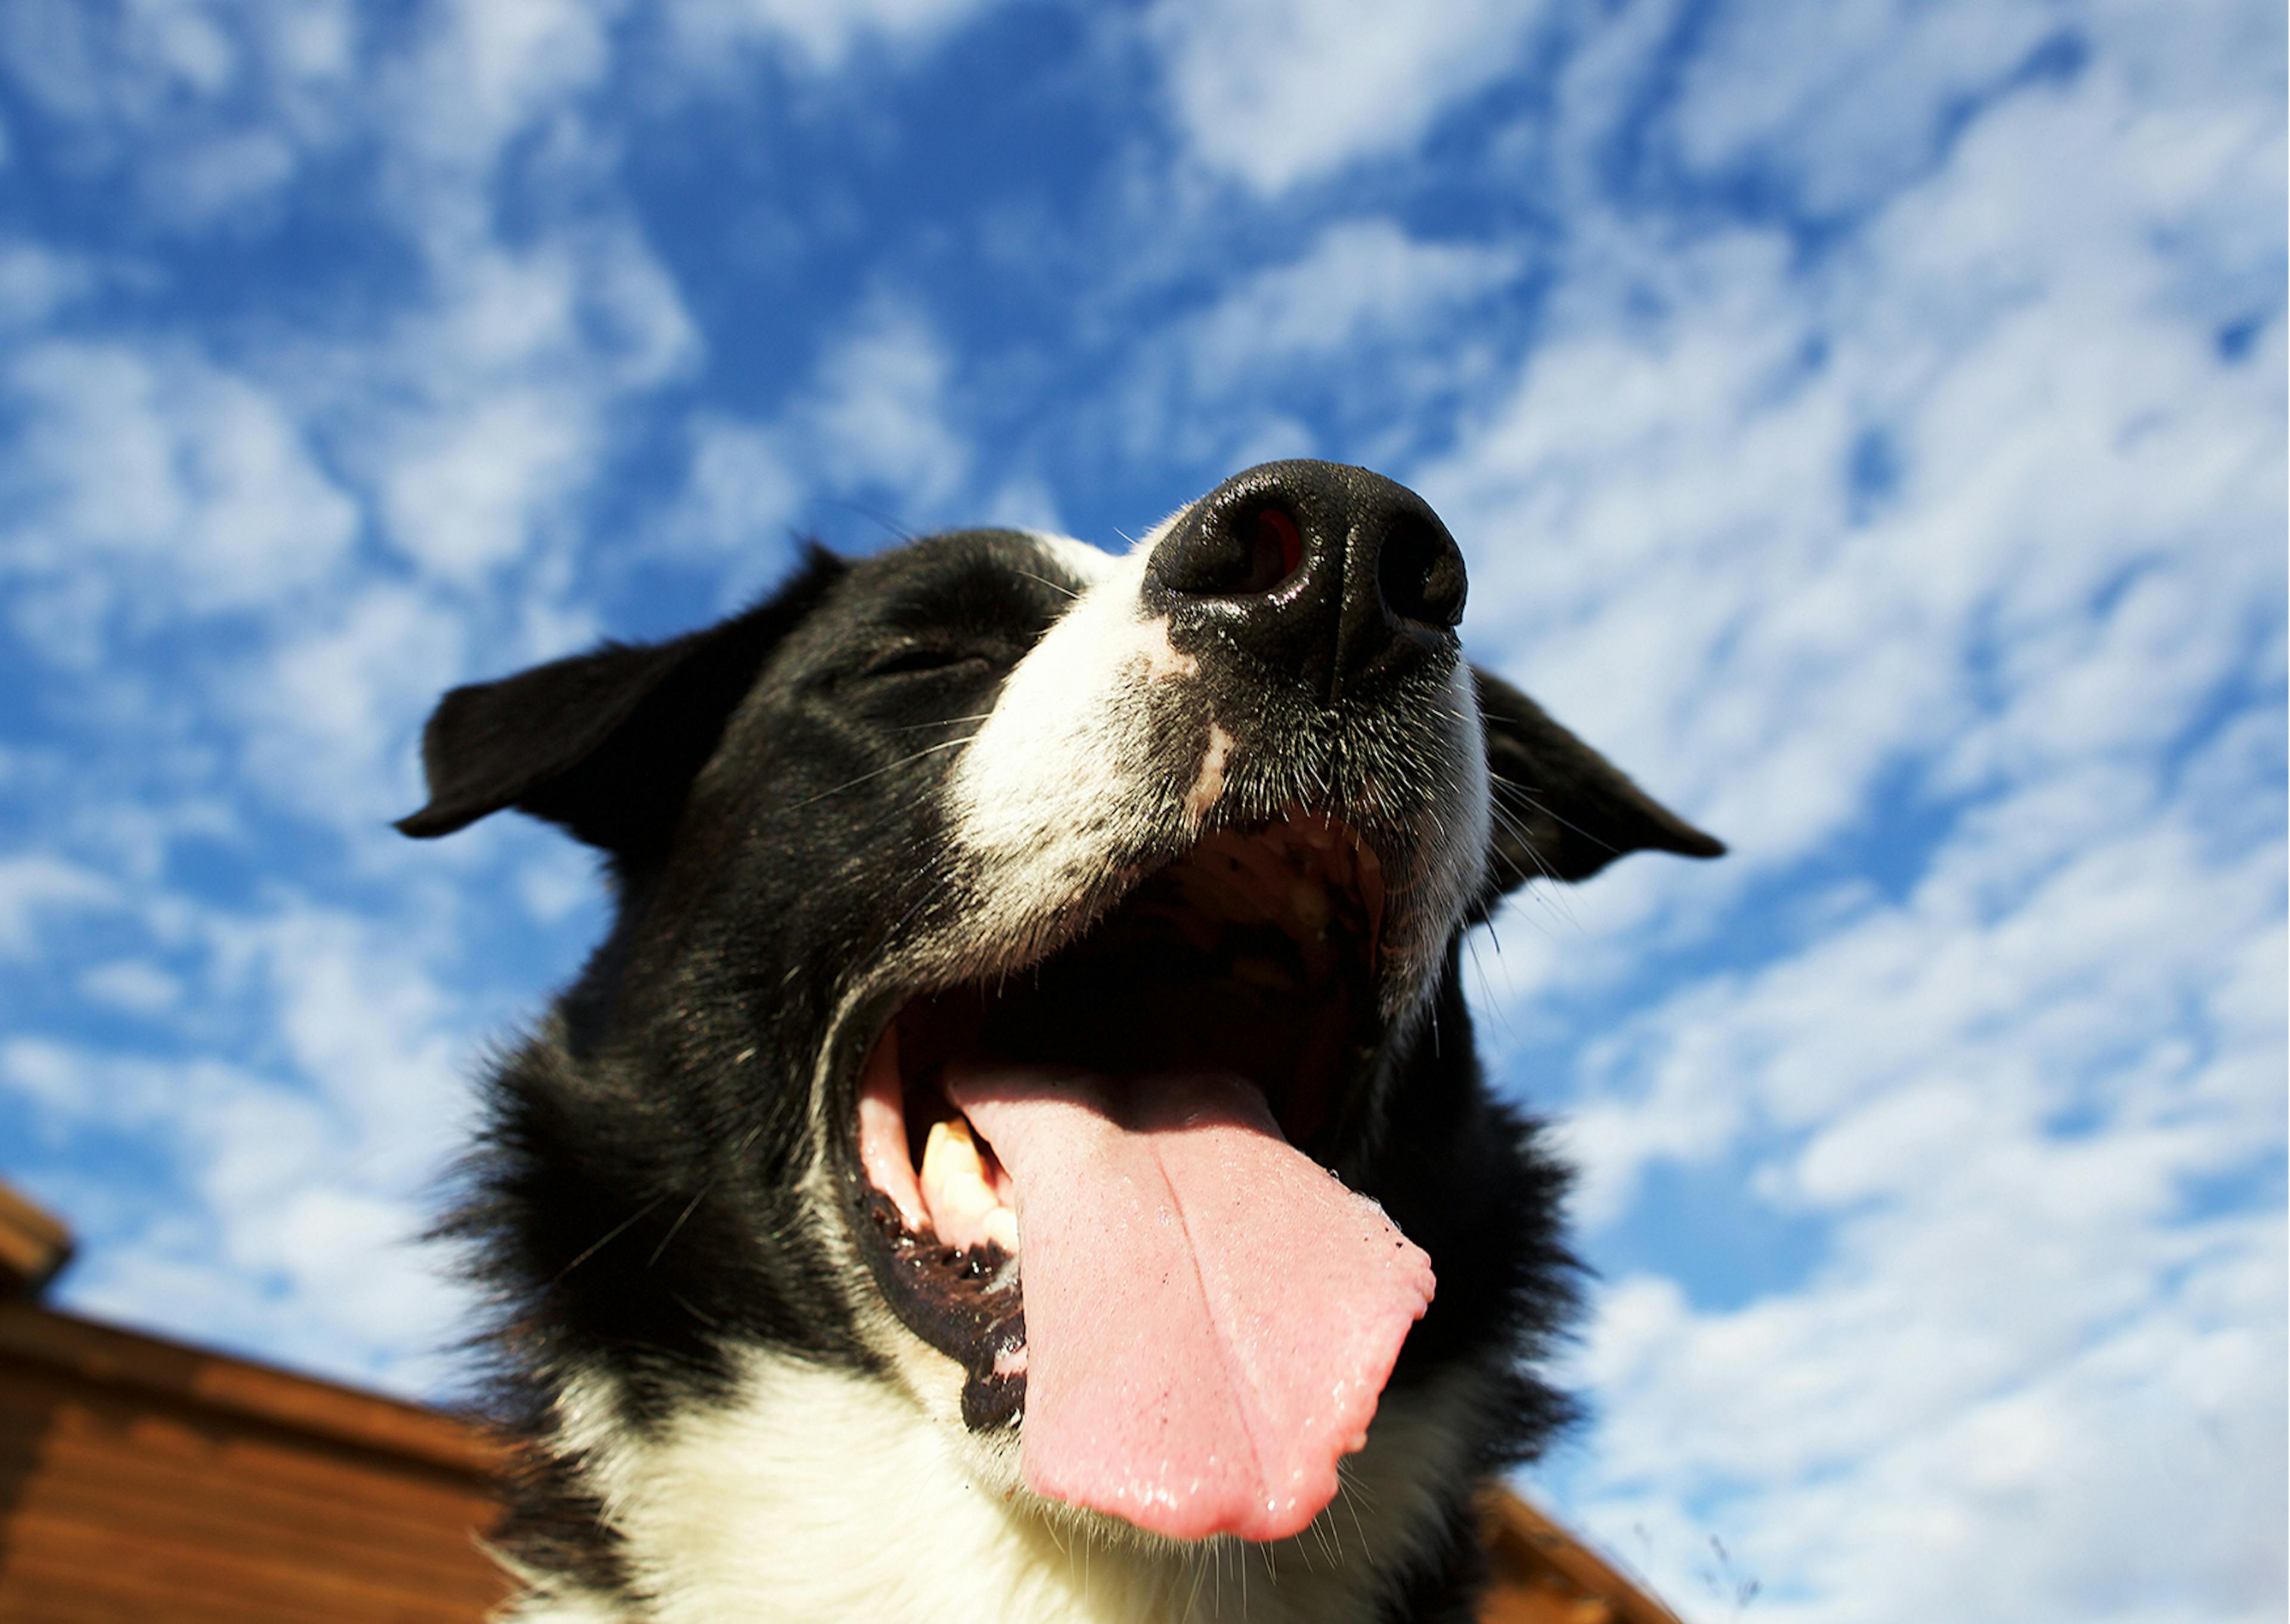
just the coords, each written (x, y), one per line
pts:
(1562, 811)
(605, 743)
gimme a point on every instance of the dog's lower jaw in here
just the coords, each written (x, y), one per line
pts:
(721, 1517)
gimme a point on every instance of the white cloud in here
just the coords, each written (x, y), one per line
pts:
(739, 494)
(553, 885)
(311, 42)
(36, 884)
(1361, 281)
(128, 66)
(875, 419)
(1273, 93)
(36, 281)
(133, 985)
(155, 484)
(1849, 99)
(878, 411)
(1024, 503)
(486, 415)
(821, 35)
(487, 69)
(467, 488)
(322, 714)
(1375, 327)
(150, 488)
(212, 179)
(442, 98)
(325, 1281)
(211, 107)
(1670, 498)
(478, 411)
(293, 1194)
(2037, 965)
(2088, 1475)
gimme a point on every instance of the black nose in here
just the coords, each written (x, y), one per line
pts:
(1331, 572)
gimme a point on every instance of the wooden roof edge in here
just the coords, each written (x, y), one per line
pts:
(1535, 1539)
(34, 1244)
(203, 1379)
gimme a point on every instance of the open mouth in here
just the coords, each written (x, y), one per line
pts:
(1129, 1141)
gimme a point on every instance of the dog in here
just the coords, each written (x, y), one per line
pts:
(1018, 1154)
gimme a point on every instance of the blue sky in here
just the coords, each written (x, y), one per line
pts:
(1866, 421)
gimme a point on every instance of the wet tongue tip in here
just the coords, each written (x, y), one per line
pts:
(1210, 1315)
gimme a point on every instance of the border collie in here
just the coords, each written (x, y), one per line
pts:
(1018, 1155)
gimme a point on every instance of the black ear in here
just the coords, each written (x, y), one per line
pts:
(605, 743)
(1562, 811)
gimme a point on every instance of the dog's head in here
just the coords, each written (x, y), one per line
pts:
(1018, 950)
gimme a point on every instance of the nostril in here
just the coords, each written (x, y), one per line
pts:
(1276, 550)
(1236, 553)
(1420, 573)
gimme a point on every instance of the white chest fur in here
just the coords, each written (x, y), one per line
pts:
(823, 1496)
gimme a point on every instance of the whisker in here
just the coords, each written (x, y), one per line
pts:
(904, 761)
(1541, 871)
(608, 1237)
(1544, 807)
(880, 517)
(690, 1207)
(1052, 585)
(1197, 1560)
(1486, 982)
(916, 727)
(1512, 822)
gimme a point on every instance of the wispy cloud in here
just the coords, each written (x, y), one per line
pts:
(818, 37)
(874, 429)
(1276, 94)
(35, 883)
(149, 486)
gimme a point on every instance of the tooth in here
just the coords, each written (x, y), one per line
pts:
(964, 1208)
(1001, 1227)
(954, 1182)
(950, 1152)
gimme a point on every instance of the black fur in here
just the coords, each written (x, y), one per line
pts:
(762, 790)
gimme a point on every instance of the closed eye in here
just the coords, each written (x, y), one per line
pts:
(916, 660)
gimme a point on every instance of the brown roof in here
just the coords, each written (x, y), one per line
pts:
(143, 1481)
(34, 1244)
(1545, 1575)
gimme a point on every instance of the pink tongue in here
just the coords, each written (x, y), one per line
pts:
(1210, 1315)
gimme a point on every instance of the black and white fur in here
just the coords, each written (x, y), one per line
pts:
(934, 765)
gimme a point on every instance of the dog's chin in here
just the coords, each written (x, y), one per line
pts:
(1245, 973)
